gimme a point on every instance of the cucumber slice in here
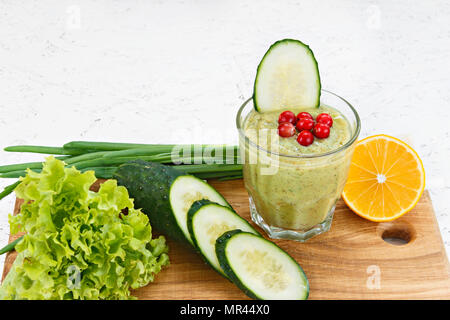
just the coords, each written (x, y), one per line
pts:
(260, 268)
(165, 195)
(185, 190)
(287, 77)
(206, 222)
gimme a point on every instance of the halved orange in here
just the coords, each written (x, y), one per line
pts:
(386, 179)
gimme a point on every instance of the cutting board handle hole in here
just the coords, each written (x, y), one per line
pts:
(397, 234)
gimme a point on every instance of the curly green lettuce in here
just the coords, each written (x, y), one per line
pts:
(79, 244)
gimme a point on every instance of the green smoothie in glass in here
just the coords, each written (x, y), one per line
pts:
(294, 174)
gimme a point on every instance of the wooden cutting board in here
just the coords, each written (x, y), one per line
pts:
(351, 261)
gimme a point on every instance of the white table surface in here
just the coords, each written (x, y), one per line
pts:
(177, 71)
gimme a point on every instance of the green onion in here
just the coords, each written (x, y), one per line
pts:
(31, 165)
(20, 166)
(143, 151)
(38, 165)
(161, 158)
(106, 172)
(197, 168)
(107, 146)
(42, 149)
(16, 174)
(102, 172)
(217, 175)
(106, 162)
(10, 246)
(9, 189)
(84, 157)
(192, 148)
(104, 157)
(105, 169)
(238, 176)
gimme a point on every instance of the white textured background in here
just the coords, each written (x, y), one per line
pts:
(177, 71)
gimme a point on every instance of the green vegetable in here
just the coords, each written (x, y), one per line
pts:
(42, 149)
(17, 174)
(178, 150)
(108, 146)
(217, 175)
(165, 194)
(133, 147)
(206, 222)
(226, 178)
(142, 151)
(85, 156)
(104, 157)
(102, 172)
(287, 77)
(9, 189)
(211, 168)
(29, 165)
(10, 246)
(201, 171)
(79, 244)
(260, 268)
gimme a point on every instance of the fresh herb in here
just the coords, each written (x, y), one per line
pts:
(204, 160)
(9, 189)
(10, 246)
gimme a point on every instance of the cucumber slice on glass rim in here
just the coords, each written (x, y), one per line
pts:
(260, 268)
(287, 77)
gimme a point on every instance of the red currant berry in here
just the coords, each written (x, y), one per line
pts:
(305, 138)
(302, 115)
(304, 124)
(325, 118)
(287, 116)
(286, 129)
(321, 131)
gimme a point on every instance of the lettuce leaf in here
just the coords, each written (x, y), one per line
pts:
(79, 244)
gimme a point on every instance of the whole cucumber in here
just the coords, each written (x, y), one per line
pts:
(149, 184)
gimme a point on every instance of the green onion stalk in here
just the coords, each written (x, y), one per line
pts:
(206, 161)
